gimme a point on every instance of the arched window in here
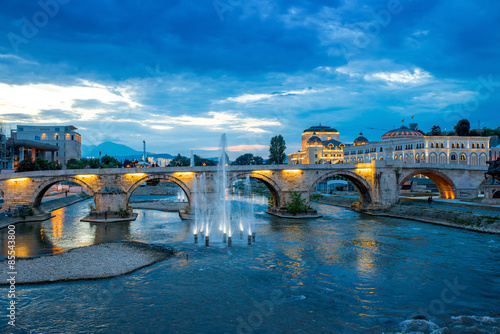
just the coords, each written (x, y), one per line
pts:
(422, 156)
(463, 157)
(473, 145)
(453, 157)
(452, 145)
(482, 145)
(442, 145)
(432, 145)
(463, 146)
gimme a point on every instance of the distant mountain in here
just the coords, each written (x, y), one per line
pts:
(119, 151)
(109, 148)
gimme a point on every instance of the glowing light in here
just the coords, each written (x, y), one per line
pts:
(19, 179)
(363, 169)
(86, 175)
(184, 173)
(292, 170)
(135, 174)
(261, 171)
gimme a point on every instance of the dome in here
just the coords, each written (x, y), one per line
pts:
(333, 144)
(314, 140)
(319, 128)
(402, 132)
(360, 140)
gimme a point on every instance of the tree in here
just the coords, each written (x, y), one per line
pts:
(110, 162)
(297, 204)
(42, 164)
(436, 130)
(462, 128)
(248, 159)
(199, 161)
(74, 164)
(179, 160)
(277, 149)
(25, 166)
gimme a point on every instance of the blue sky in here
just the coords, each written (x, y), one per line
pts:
(179, 73)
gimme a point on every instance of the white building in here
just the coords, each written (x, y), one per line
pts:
(64, 137)
(412, 146)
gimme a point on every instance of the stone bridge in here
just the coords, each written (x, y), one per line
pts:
(378, 182)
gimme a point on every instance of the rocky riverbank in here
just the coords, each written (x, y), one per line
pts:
(469, 220)
(92, 262)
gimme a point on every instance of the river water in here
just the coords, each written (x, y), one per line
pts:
(343, 273)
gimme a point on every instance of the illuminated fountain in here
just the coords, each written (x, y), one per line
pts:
(212, 209)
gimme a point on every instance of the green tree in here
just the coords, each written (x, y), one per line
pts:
(25, 166)
(179, 160)
(462, 128)
(248, 159)
(74, 164)
(41, 164)
(297, 204)
(277, 149)
(436, 130)
(110, 162)
(199, 161)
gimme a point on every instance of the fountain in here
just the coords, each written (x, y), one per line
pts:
(213, 215)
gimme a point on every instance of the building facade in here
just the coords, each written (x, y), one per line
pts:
(319, 145)
(68, 141)
(413, 147)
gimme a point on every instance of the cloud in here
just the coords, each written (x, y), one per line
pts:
(216, 121)
(248, 98)
(31, 99)
(405, 77)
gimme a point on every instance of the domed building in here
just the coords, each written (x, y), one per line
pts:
(360, 140)
(412, 146)
(319, 145)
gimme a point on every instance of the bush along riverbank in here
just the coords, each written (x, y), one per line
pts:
(469, 220)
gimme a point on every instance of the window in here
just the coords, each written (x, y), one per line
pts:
(57, 136)
(453, 157)
(473, 145)
(432, 145)
(482, 145)
(452, 145)
(463, 146)
(72, 137)
(463, 157)
(442, 145)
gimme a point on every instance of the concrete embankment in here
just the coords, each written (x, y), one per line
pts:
(91, 262)
(459, 218)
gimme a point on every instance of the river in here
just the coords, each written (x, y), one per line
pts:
(342, 273)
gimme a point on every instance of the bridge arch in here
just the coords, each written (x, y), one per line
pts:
(42, 188)
(362, 186)
(444, 184)
(273, 187)
(165, 177)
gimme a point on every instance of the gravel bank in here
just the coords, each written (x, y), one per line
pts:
(91, 262)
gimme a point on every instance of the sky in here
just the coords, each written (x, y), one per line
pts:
(178, 74)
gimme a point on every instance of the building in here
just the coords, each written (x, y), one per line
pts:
(319, 145)
(412, 146)
(495, 153)
(65, 139)
(5, 154)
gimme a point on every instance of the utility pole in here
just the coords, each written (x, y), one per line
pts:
(144, 155)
